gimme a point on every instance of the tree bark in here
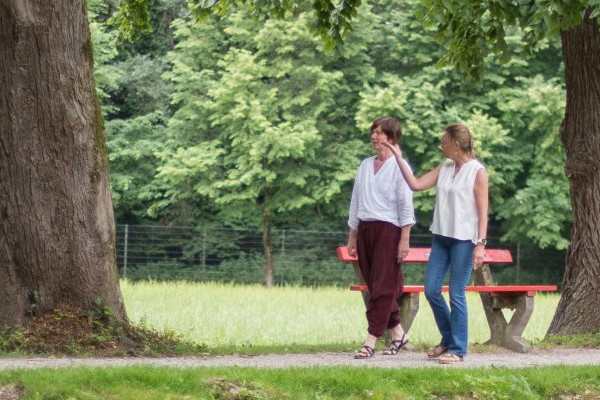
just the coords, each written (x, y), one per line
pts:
(578, 310)
(57, 233)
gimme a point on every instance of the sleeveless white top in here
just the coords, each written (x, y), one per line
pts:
(455, 213)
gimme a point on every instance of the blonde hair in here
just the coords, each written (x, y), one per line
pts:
(462, 135)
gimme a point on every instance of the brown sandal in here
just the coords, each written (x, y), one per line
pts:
(436, 351)
(450, 358)
(364, 352)
(395, 346)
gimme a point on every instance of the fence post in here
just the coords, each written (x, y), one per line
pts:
(125, 251)
(203, 249)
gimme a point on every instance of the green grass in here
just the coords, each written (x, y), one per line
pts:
(322, 383)
(230, 318)
(227, 317)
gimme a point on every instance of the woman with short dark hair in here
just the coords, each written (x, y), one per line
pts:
(381, 215)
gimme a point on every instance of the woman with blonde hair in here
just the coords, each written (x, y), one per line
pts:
(459, 234)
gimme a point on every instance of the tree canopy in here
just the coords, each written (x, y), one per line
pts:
(475, 38)
(243, 105)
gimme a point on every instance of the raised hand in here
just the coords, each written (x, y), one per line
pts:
(395, 148)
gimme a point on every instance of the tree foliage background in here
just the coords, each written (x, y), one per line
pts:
(235, 121)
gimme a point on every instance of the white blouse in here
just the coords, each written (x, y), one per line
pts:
(382, 196)
(455, 213)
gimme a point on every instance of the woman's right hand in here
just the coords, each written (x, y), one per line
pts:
(395, 148)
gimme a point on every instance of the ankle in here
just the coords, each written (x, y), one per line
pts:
(398, 333)
(370, 341)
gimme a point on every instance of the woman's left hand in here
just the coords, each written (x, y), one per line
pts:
(478, 253)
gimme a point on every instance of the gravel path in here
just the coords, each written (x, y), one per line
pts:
(404, 359)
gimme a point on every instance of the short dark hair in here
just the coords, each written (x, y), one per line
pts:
(390, 126)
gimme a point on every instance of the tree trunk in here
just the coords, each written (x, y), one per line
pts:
(268, 246)
(578, 310)
(57, 233)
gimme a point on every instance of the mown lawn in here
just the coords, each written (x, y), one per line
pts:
(229, 318)
(320, 383)
(235, 317)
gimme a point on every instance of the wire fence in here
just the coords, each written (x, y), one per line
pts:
(301, 257)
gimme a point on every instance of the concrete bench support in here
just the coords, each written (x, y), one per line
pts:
(503, 333)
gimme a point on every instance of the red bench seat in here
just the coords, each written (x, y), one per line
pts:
(527, 290)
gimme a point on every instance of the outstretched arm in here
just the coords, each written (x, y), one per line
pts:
(424, 182)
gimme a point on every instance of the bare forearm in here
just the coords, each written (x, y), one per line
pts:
(409, 177)
(405, 232)
(482, 224)
(424, 182)
(482, 203)
(352, 234)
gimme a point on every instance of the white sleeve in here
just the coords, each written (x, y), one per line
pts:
(353, 213)
(406, 210)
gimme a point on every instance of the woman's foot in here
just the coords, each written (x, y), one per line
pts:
(395, 346)
(437, 351)
(368, 348)
(450, 358)
(364, 352)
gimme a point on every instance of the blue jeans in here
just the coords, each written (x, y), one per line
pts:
(456, 255)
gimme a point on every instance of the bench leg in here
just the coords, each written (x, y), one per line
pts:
(504, 334)
(508, 335)
(409, 306)
(495, 319)
(494, 316)
(512, 334)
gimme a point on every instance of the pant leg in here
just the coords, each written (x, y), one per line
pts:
(377, 245)
(461, 266)
(437, 267)
(364, 251)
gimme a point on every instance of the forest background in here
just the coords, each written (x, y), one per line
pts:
(233, 143)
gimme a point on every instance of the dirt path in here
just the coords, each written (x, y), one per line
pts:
(404, 359)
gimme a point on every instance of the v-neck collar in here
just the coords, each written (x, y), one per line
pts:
(375, 173)
(454, 172)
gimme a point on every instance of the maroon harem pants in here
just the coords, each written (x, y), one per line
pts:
(377, 246)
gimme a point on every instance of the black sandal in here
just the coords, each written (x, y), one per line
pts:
(395, 346)
(364, 352)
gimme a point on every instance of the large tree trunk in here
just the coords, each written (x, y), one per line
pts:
(57, 234)
(578, 310)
